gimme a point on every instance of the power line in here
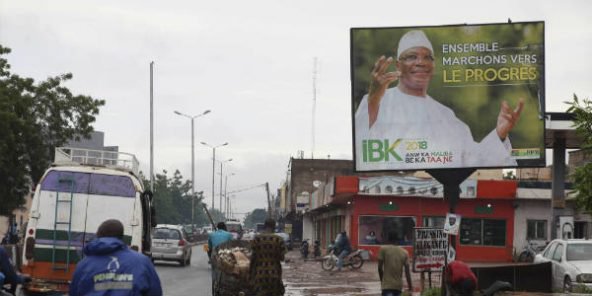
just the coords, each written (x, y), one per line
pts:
(246, 188)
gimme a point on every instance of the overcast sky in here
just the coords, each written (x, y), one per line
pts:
(251, 63)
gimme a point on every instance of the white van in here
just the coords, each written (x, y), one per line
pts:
(82, 189)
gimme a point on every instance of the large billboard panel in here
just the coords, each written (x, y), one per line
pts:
(461, 96)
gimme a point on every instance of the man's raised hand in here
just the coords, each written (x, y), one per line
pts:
(380, 81)
(507, 118)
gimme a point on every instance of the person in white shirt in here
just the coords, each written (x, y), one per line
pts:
(404, 128)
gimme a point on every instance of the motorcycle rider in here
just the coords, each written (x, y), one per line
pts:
(7, 273)
(342, 248)
(304, 249)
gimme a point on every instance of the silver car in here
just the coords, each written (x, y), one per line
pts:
(572, 263)
(169, 243)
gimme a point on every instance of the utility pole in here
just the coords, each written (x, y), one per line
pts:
(268, 200)
(314, 105)
(151, 130)
(221, 172)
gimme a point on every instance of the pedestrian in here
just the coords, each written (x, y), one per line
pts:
(7, 273)
(407, 112)
(268, 250)
(342, 248)
(392, 260)
(111, 268)
(215, 239)
(460, 279)
(14, 233)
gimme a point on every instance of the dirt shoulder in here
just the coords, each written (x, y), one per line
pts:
(308, 278)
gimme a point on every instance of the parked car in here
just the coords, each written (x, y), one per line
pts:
(169, 243)
(572, 263)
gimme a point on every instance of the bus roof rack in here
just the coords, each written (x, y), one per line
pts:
(110, 159)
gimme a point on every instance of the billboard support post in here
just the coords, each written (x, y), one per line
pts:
(451, 179)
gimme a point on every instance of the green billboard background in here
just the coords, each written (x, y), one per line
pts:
(475, 99)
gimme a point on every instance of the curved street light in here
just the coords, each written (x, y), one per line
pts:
(214, 166)
(192, 159)
(226, 201)
(221, 174)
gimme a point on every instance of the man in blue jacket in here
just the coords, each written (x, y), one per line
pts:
(111, 268)
(7, 273)
(343, 248)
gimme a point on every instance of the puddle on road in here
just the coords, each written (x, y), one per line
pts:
(357, 289)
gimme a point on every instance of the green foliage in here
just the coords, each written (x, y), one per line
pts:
(577, 289)
(431, 292)
(172, 200)
(34, 119)
(254, 217)
(582, 175)
(217, 216)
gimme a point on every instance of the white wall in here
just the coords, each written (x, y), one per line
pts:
(531, 209)
(307, 228)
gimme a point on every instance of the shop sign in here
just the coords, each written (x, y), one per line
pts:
(429, 249)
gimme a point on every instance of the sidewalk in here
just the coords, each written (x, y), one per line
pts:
(308, 278)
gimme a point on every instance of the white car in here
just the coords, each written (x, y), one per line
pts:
(169, 243)
(572, 263)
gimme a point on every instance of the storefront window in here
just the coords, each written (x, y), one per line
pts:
(382, 230)
(435, 222)
(486, 232)
(536, 229)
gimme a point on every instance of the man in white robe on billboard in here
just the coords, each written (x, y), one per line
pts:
(407, 112)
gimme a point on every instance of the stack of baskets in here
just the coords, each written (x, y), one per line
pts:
(232, 260)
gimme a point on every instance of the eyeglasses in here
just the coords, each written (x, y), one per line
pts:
(412, 58)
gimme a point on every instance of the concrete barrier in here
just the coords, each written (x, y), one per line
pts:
(523, 277)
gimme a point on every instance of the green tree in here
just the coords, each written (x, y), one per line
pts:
(254, 217)
(34, 119)
(172, 200)
(217, 216)
(582, 175)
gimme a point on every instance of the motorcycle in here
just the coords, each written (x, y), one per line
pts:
(317, 248)
(354, 260)
(529, 252)
(304, 249)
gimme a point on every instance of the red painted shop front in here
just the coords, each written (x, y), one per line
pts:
(487, 227)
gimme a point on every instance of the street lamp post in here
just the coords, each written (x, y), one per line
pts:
(192, 160)
(213, 166)
(221, 173)
(226, 210)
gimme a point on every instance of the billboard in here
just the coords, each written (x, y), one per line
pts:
(461, 96)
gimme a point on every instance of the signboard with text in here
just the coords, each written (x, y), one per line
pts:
(462, 96)
(429, 249)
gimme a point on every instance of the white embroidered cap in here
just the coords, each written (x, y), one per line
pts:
(412, 39)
